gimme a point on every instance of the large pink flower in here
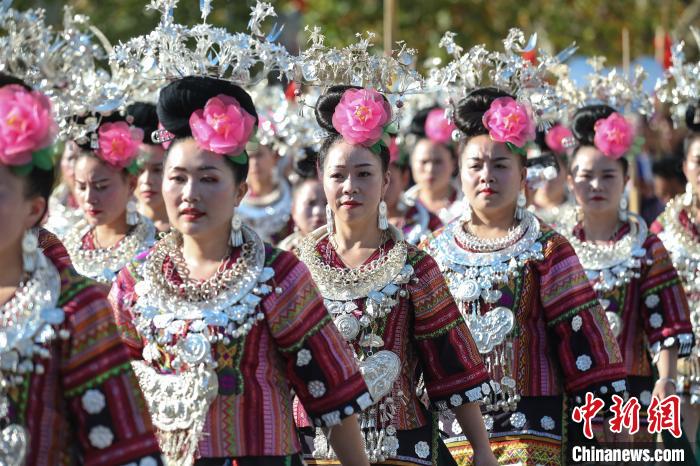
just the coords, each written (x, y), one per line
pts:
(119, 143)
(26, 124)
(361, 115)
(223, 126)
(438, 128)
(614, 135)
(509, 121)
(556, 137)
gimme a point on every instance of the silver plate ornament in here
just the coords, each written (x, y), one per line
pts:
(380, 371)
(348, 326)
(491, 329)
(13, 445)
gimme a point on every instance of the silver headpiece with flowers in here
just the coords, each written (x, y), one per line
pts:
(508, 70)
(175, 50)
(624, 94)
(680, 85)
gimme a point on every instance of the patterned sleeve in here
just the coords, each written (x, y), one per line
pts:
(452, 367)
(588, 353)
(122, 298)
(664, 305)
(106, 404)
(319, 363)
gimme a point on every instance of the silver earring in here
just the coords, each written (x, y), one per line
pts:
(383, 219)
(520, 206)
(30, 244)
(132, 213)
(329, 220)
(236, 238)
(688, 196)
(622, 213)
(467, 213)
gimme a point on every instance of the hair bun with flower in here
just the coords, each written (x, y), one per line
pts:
(602, 127)
(27, 129)
(438, 128)
(559, 138)
(510, 122)
(118, 144)
(362, 117)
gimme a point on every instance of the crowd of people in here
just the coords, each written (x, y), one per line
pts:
(217, 253)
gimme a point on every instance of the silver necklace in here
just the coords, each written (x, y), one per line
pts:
(268, 219)
(103, 264)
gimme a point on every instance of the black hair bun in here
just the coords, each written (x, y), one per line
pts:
(325, 106)
(6, 80)
(585, 118)
(144, 116)
(305, 164)
(418, 123)
(692, 117)
(180, 98)
(470, 110)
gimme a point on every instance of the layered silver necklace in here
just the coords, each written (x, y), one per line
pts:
(180, 327)
(380, 284)
(268, 218)
(474, 277)
(613, 265)
(103, 264)
(29, 324)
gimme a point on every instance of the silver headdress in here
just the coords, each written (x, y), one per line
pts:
(175, 50)
(624, 94)
(507, 70)
(680, 85)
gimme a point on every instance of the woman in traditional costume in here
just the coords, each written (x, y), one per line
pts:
(388, 299)
(222, 323)
(433, 165)
(68, 394)
(629, 268)
(113, 232)
(522, 291)
(64, 211)
(149, 183)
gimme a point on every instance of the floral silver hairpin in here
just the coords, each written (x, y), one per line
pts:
(624, 94)
(680, 85)
(508, 70)
(175, 50)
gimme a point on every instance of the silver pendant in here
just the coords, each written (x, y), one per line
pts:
(348, 326)
(489, 330)
(371, 341)
(380, 371)
(13, 445)
(468, 290)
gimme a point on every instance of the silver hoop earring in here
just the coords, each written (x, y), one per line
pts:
(329, 220)
(383, 219)
(236, 238)
(520, 206)
(623, 213)
(30, 245)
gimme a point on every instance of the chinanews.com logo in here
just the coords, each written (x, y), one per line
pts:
(663, 417)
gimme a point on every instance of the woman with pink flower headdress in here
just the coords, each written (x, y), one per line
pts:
(149, 183)
(433, 165)
(522, 291)
(547, 192)
(222, 324)
(412, 218)
(68, 392)
(388, 299)
(112, 232)
(629, 268)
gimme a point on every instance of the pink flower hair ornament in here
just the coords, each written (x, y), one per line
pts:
(510, 122)
(557, 138)
(614, 135)
(438, 128)
(363, 118)
(118, 145)
(224, 127)
(27, 130)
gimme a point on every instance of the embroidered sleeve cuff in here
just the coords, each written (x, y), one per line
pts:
(480, 393)
(604, 391)
(345, 409)
(684, 341)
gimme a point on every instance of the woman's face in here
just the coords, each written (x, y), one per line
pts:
(432, 165)
(200, 191)
(68, 159)
(691, 165)
(263, 162)
(17, 211)
(354, 183)
(102, 191)
(492, 176)
(149, 188)
(308, 206)
(597, 181)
